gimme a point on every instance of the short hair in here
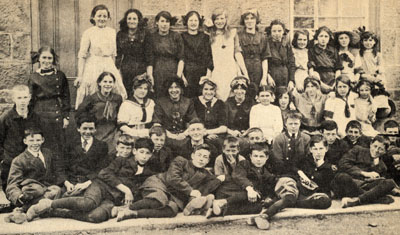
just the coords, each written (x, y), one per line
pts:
(167, 16)
(390, 124)
(328, 125)
(324, 29)
(103, 75)
(251, 130)
(250, 11)
(85, 118)
(293, 114)
(315, 139)
(142, 21)
(20, 87)
(195, 121)
(231, 140)
(94, 11)
(353, 124)
(126, 140)
(32, 130)
(269, 89)
(186, 17)
(262, 147)
(144, 143)
(36, 55)
(157, 130)
(382, 139)
(296, 37)
(202, 146)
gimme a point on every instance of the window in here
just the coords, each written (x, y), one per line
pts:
(336, 14)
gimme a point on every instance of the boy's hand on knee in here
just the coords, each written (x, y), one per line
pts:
(128, 198)
(83, 186)
(69, 186)
(252, 195)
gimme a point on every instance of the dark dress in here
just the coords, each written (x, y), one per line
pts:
(238, 115)
(105, 109)
(131, 58)
(281, 65)
(212, 117)
(197, 58)
(255, 50)
(324, 61)
(51, 102)
(164, 53)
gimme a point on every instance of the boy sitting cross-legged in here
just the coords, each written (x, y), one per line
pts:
(186, 182)
(115, 185)
(33, 174)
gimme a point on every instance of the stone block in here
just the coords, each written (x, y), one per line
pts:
(5, 46)
(5, 96)
(4, 107)
(14, 73)
(21, 46)
(388, 45)
(392, 74)
(15, 16)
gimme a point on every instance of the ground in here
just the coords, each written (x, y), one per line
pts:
(364, 223)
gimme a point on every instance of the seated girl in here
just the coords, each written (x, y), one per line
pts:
(238, 107)
(365, 108)
(136, 113)
(104, 105)
(341, 107)
(265, 115)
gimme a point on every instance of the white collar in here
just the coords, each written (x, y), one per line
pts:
(203, 101)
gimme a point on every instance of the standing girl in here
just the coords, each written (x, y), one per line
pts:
(104, 106)
(324, 59)
(300, 51)
(341, 107)
(226, 52)
(165, 54)
(96, 55)
(50, 98)
(255, 49)
(197, 57)
(365, 108)
(265, 115)
(349, 56)
(372, 66)
(281, 65)
(131, 47)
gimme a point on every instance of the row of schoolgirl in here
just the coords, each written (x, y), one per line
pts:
(143, 180)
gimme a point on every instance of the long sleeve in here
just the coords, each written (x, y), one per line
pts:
(239, 175)
(174, 176)
(15, 178)
(120, 55)
(219, 168)
(291, 63)
(84, 46)
(108, 174)
(65, 96)
(348, 163)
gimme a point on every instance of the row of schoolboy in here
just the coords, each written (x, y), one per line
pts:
(138, 182)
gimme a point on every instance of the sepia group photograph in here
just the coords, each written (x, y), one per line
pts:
(199, 117)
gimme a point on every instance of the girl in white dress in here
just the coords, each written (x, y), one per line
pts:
(96, 55)
(227, 57)
(300, 52)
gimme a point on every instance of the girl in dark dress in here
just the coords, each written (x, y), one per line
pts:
(238, 107)
(131, 47)
(104, 105)
(324, 59)
(210, 110)
(50, 98)
(255, 49)
(165, 54)
(198, 58)
(281, 65)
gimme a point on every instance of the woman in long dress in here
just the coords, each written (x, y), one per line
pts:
(96, 55)
(226, 52)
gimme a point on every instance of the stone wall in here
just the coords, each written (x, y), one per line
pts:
(15, 44)
(390, 43)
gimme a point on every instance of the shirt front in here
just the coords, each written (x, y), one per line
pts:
(86, 146)
(39, 155)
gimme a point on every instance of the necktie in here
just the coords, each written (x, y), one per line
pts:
(84, 145)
